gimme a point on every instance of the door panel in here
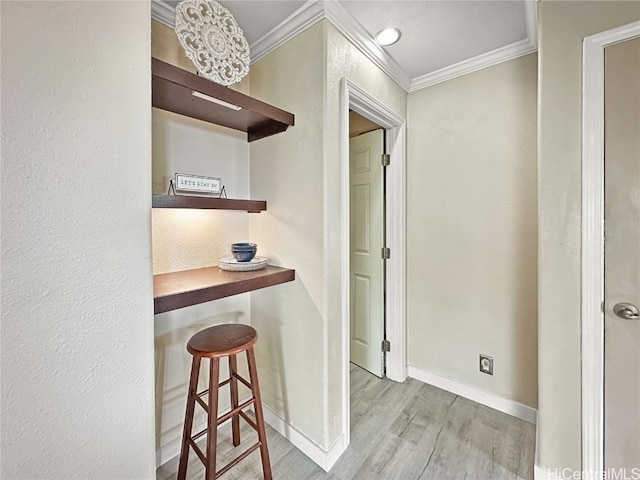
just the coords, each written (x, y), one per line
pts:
(362, 313)
(622, 254)
(362, 217)
(367, 240)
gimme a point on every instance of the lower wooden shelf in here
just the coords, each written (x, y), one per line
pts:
(190, 287)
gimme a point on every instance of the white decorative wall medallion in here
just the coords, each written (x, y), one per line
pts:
(212, 40)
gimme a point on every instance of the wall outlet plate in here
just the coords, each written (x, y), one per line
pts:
(486, 364)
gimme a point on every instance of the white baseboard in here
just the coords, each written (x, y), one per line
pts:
(540, 473)
(536, 453)
(496, 402)
(324, 459)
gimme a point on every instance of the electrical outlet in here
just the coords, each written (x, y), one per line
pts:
(486, 364)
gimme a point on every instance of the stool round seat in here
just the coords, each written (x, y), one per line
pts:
(222, 340)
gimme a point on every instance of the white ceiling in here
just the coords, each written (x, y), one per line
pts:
(440, 39)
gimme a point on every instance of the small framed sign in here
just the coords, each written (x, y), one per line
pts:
(196, 183)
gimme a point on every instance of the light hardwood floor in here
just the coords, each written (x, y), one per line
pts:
(399, 431)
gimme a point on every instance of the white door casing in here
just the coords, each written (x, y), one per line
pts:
(366, 330)
(622, 256)
(592, 296)
(356, 99)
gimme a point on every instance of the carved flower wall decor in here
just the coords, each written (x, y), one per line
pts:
(212, 40)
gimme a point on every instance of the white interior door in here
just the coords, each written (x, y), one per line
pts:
(367, 241)
(622, 256)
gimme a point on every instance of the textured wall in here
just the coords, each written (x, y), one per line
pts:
(184, 239)
(287, 170)
(471, 228)
(77, 317)
(298, 172)
(562, 26)
(166, 47)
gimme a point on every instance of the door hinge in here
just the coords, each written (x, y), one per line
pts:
(386, 159)
(386, 253)
(386, 345)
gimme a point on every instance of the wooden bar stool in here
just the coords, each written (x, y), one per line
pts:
(214, 343)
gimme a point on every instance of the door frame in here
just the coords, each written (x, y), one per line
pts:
(592, 295)
(355, 98)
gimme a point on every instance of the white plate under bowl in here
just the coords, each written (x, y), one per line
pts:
(230, 264)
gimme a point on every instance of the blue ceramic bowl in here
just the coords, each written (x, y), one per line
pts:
(243, 247)
(244, 256)
(244, 252)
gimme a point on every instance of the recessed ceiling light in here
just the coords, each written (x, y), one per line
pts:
(387, 37)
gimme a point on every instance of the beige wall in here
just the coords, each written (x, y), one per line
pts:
(184, 239)
(562, 26)
(298, 172)
(77, 316)
(471, 228)
(287, 171)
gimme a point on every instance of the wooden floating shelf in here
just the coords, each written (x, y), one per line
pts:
(172, 89)
(183, 201)
(191, 287)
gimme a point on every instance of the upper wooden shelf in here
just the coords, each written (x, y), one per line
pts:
(172, 90)
(184, 201)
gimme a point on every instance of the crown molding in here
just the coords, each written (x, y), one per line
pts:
(163, 13)
(499, 55)
(358, 36)
(503, 54)
(306, 16)
(314, 11)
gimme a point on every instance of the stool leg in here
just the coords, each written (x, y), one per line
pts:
(262, 434)
(212, 425)
(188, 418)
(235, 420)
